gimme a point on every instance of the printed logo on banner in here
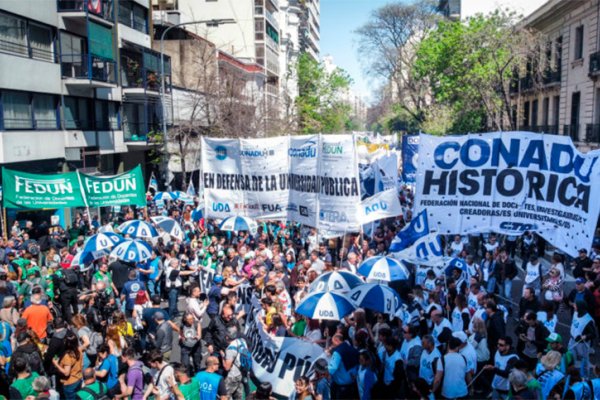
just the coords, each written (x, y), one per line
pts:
(333, 216)
(379, 206)
(333, 148)
(257, 153)
(517, 227)
(42, 186)
(221, 152)
(221, 207)
(303, 210)
(307, 150)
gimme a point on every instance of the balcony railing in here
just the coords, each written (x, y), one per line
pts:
(91, 125)
(138, 131)
(551, 77)
(572, 131)
(26, 51)
(592, 133)
(100, 8)
(271, 18)
(30, 124)
(594, 63)
(83, 66)
(526, 83)
(143, 79)
(553, 129)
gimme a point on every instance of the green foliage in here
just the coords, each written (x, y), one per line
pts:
(470, 67)
(319, 103)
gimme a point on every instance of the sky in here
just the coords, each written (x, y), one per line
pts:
(339, 19)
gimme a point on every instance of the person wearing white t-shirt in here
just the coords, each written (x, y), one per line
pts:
(164, 373)
(452, 373)
(429, 357)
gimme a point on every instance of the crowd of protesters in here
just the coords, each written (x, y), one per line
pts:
(118, 330)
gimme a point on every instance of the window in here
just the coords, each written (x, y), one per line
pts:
(133, 15)
(556, 109)
(25, 110)
(534, 113)
(526, 107)
(13, 34)
(44, 111)
(21, 37)
(16, 110)
(579, 42)
(546, 111)
(40, 40)
(76, 113)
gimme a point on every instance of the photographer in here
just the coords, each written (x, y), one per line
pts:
(66, 281)
(100, 305)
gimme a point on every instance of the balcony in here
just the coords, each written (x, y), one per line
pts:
(526, 83)
(87, 70)
(551, 78)
(594, 64)
(592, 133)
(572, 131)
(271, 18)
(138, 131)
(140, 73)
(99, 10)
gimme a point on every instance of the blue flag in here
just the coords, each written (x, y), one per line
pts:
(417, 228)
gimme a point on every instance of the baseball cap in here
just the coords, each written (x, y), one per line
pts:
(218, 279)
(597, 258)
(460, 335)
(583, 251)
(579, 281)
(321, 365)
(554, 338)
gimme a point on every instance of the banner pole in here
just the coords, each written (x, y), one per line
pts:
(4, 224)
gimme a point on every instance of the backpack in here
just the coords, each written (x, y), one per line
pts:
(103, 395)
(71, 277)
(245, 357)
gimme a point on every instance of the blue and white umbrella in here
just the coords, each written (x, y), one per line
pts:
(164, 196)
(455, 263)
(170, 226)
(342, 281)
(383, 269)
(236, 224)
(138, 229)
(132, 251)
(376, 297)
(102, 241)
(325, 305)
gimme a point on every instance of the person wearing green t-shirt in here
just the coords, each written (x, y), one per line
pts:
(92, 389)
(184, 387)
(23, 385)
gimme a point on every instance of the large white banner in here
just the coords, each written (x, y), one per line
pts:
(309, 179)
(510, 182)
(278, 360)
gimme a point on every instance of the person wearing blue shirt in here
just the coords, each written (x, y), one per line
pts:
(130, 292)
(212, 385)
(108, 371)
(342, 367)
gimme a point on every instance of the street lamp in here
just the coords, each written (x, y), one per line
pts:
(210, 23)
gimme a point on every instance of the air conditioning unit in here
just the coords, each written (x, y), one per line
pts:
(166, 17)
(174, 17)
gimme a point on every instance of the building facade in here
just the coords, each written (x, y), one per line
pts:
(567, 100)
(70, 95)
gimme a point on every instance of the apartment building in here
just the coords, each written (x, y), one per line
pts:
(567, 100)
(70, 98)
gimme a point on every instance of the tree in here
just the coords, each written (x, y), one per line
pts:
(387, 45)
(320, 104)
(471, 67)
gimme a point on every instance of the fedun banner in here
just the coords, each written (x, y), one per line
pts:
(23, 190)
(123, 189)
(72, 189)
(309, 179)
(510, 182)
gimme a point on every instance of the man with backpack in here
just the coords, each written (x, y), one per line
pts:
(452, 373)
(92, 389)
(212, 385)
(237, 363)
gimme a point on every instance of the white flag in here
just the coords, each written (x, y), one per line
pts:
(382, 205)
(153, 184)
